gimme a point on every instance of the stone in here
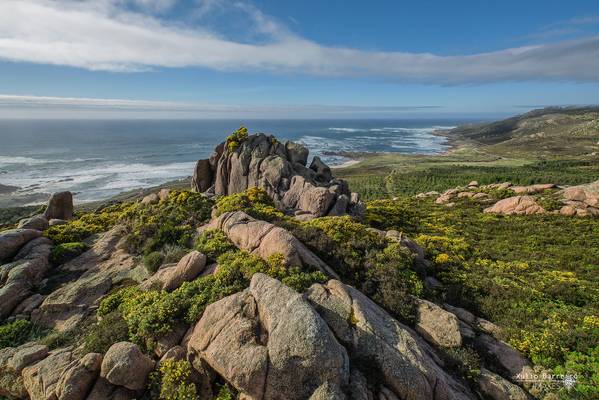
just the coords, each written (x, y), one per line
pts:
(269, 343)
(78, 378)
(297, 153)
(170, 340)
(401, 360)
(574, 193)
(532, 189)
(29, 304)
(358, 386)
(436, 325)
(323, 172)
(18, 278)
(516, 205)
(125, 365)
(265, 239)
(60, 206)
(104, 390)
(11, 382)
(328, 391)
(462, 195)
(27, 355)
(37, 222)
(202, 176)
(495, 387)
(12, 240)
(56, 221)
(473, 184)
(175, 353)
(163, 194)
(508, 358)
(170, 278)
(152, 198)
(41, 379)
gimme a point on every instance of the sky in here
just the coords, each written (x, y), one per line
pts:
(295, 59)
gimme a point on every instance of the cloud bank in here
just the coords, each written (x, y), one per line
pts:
(15, 106)
(129, 36)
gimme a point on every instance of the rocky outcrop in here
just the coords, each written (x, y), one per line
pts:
(96, 271)
(78, 377)
(516, 205)
(125, 365)
(262, 161)
(60, 206)
(265, 239)
(42, 378)
(170, 278)
(11, 241)
(405, 364)
(495, 387)
(269, 343)
(12, 362)
(18, 279)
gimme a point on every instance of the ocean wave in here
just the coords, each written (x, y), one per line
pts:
(347, 130)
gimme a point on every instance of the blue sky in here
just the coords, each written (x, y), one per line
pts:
(279, 59)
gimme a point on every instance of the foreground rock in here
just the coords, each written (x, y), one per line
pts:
(269, 343)
(11, 241)
(37, 222)
(262, 161)
(170, 278)
(18, 279)
(60, 206)
(265, 239)
(403, 361)
(516, 205)
(125, 365)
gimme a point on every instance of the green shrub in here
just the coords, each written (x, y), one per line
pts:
(226, 392)
(465, 361)
(236, 138)
(111, 329)
(15, 333)
(253, 201)
(170, 222)
(173, 381)
(153, 261)
(173, 253)
(213, 243)
(390, 214)
(64, 252)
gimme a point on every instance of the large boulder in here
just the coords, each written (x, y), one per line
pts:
(42, 378)
(265, 239)
(516, 205)
(60, 206)
(12, 362)
(494, 387)
(11, 241)
(78, 377)
(170, 278)
(270, 344)
(202, 176)
(17, 279)
(262, 161)
(125, 365)
(402, 361)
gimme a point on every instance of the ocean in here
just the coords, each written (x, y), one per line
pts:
(97, 159)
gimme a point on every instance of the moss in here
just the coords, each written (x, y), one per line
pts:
(65, 252)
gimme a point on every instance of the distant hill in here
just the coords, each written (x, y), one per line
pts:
(549, 131)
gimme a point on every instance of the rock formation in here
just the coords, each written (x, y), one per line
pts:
(281, 170)
(60, 206)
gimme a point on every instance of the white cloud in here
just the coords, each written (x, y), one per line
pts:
(102, 35)
(17, 106)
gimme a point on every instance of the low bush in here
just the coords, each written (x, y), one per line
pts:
(390, 214)
(65, 252)
(236, 138)
(153, 261)
(253, 201)
(213, 243)
(111, 329)
(173, 381)
(15, 333)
